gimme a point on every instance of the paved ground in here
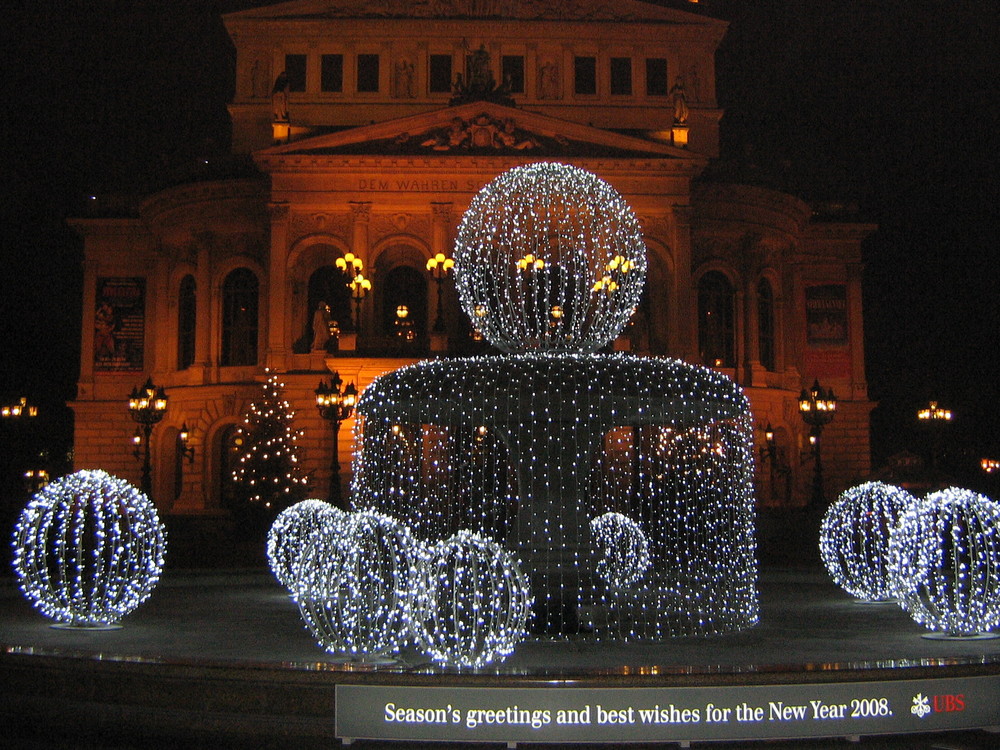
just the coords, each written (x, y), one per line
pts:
(244, 617)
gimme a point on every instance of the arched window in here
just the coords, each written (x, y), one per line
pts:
(240, 293)
(187, 306)
(765, 324)
(404, 285)
(716, 331)
(330, 286)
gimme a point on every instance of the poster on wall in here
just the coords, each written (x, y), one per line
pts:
(827, 353)
(826, 315)
(119, 324)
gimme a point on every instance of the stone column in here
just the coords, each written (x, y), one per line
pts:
(277, 345)
(855, 327)
(361, 212)
(684, 312)
(203, 312)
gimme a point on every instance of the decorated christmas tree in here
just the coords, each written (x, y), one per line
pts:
(268, 473)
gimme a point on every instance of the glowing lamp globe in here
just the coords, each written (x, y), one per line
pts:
(945, 563)
(854, 538)
(289, 534)
(549, 257)
(88, 549)
(474, 602)
(355, 583)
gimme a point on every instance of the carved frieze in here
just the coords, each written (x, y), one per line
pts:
(320, 222)
(388, 225)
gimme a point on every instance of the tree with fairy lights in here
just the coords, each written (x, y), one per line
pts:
(268, 473)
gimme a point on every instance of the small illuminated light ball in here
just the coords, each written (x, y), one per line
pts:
(623, 547)
(355, 582)
(549, 237)
(88, 549)
(854, 538)
(474, 602)
(944, 559)
(289, 534)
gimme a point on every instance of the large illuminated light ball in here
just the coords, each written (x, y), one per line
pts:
(289, 534)
(474, 602)
(355, 584)
(88, 549)
(854, 538)
(945, 562)
(624, 550)
(549, 257)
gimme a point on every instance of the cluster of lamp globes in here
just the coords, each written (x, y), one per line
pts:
(366, 586)
(938, 557)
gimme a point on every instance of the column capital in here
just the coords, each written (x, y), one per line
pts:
(361, 209)
(278, 210)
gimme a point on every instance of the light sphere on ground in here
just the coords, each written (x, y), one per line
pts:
(88, 549)
(355, 584)
(549, 257)
(945, 562)
(474, 602)
(623, 547)
(289, 534)
(854, 538)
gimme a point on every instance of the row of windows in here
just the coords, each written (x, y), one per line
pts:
(717, 321)
(240, 307)
(441, 76)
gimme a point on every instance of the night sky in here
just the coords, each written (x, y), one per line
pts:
(890, 106)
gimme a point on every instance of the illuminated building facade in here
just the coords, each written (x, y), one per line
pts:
(368, 126)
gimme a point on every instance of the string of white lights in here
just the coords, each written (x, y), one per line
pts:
(291, 532)
(88, 549)
(623, 548)
(473, 603)
(944, 559)
(355, 584)
(854, 538)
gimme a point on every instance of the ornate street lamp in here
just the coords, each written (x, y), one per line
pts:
(21, 410)
(335, 405)
(147, 405)
(350, 264)
(439, 266)
(360, 286)
(817, 406)
(935, 418)
(182, 443)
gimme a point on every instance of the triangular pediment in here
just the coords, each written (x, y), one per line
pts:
(479, 129)
(528, 10)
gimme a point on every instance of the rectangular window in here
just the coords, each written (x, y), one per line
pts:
(367, 73)
(585, 75)
(512, 73)
(440, 74)
(621, 76)
(656, 76)
(331, 73)
(295, 69)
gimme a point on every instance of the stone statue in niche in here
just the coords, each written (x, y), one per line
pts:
(403, 84)
(548, 81)
(680, 102)
(279, 97)
(321, 327)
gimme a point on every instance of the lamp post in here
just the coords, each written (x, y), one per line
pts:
(147, 405)
(439, 266)
(360, 286)
(817, 406)
(935, 418)
(182, 443)
(335, 405)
